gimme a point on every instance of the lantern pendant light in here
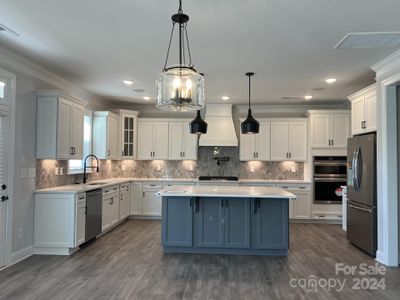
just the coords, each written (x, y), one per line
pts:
(198, 125)
(180, 87)
(250, 125)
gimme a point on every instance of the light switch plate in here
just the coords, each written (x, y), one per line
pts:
(24, 172)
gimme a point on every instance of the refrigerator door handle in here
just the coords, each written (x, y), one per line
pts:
(359, 167)
(354, 172)
(360, 208)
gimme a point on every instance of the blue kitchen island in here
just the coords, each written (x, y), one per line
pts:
(225, 220)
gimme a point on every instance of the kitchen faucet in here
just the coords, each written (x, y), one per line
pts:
(90, 167)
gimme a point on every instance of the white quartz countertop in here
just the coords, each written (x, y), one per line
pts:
(227, 191)
(81, 188)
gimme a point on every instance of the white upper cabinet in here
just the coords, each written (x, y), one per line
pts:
(182, 144)
(279, 141)
(60, 121)
(298, 141)
(152, 139)
(106, 135)
(256, 146)
(289, 140)
(363, 110)
(128, 136)
(329, 129)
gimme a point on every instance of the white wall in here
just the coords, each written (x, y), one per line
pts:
(29, 79)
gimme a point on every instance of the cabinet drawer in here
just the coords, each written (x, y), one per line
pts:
(295, 187)
(111, 189)
(124, 186)
(171, 184)
(81, 198)
(152, 186)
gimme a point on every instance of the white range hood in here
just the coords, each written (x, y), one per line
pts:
(221, 130)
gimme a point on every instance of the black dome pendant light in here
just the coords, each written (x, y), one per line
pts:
(198, 125)
(250, 125)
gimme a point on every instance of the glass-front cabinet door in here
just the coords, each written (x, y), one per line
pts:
(128, 134)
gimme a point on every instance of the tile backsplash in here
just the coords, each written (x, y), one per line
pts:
(207, 164)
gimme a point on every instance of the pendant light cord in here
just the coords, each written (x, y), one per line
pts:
(249, 89)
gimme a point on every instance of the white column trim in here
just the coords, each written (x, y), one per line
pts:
(388, 75)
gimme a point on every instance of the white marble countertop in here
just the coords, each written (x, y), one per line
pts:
(227, 191)
(81, 188)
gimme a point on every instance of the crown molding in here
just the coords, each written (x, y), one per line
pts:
(387, 66)
(17, 63)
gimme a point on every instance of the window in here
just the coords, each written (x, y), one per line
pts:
(2, 88)
(75, 166)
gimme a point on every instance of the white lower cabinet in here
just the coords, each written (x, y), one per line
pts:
(135, 208)
(124, 201)
(59, 223)
(151, 203)
(301, 207)
(80, 224)
(110, 208)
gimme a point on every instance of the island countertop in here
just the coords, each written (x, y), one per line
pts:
(227, 191)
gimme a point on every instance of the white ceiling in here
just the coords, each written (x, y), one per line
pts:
(287, 43)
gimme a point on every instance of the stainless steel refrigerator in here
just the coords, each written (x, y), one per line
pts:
(361, 192)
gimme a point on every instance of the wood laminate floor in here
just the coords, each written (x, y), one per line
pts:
(128, 263)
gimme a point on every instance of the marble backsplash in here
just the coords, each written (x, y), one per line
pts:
(205, 165)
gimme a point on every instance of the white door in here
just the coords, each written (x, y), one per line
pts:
(340, 127)
(263, 142)
(191, 143)
(279, 141)
(370, 111)
(298, 141)
(64, 147)
(145, 140)
(112, 138)
(160, 140)
(5, 177)
(320, 133)
(3, 185)
(78, 115)
(176, 141)
(247, 147)
(357, 115)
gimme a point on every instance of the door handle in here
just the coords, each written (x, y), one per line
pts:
(108, 152)
(196, 205)
(360, 208)
(4, 198)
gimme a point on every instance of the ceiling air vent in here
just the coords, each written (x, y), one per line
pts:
(369, 40)
(5, 30)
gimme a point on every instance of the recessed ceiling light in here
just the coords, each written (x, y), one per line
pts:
(225, 98)
(127, 82)
(330, 80)
(308, 97)
(147, 98)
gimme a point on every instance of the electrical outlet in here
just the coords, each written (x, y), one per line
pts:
(24, 172)
(158, 168)
(61, 171)
(293, 169)
(20, 233)
(56, 171)
(252, 170)
(123, 168)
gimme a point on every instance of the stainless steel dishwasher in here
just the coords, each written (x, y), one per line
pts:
(94, 201)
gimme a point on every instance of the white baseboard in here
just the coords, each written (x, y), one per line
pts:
(22, 254)
(144, 217)
(380, 257)
(55, 251)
